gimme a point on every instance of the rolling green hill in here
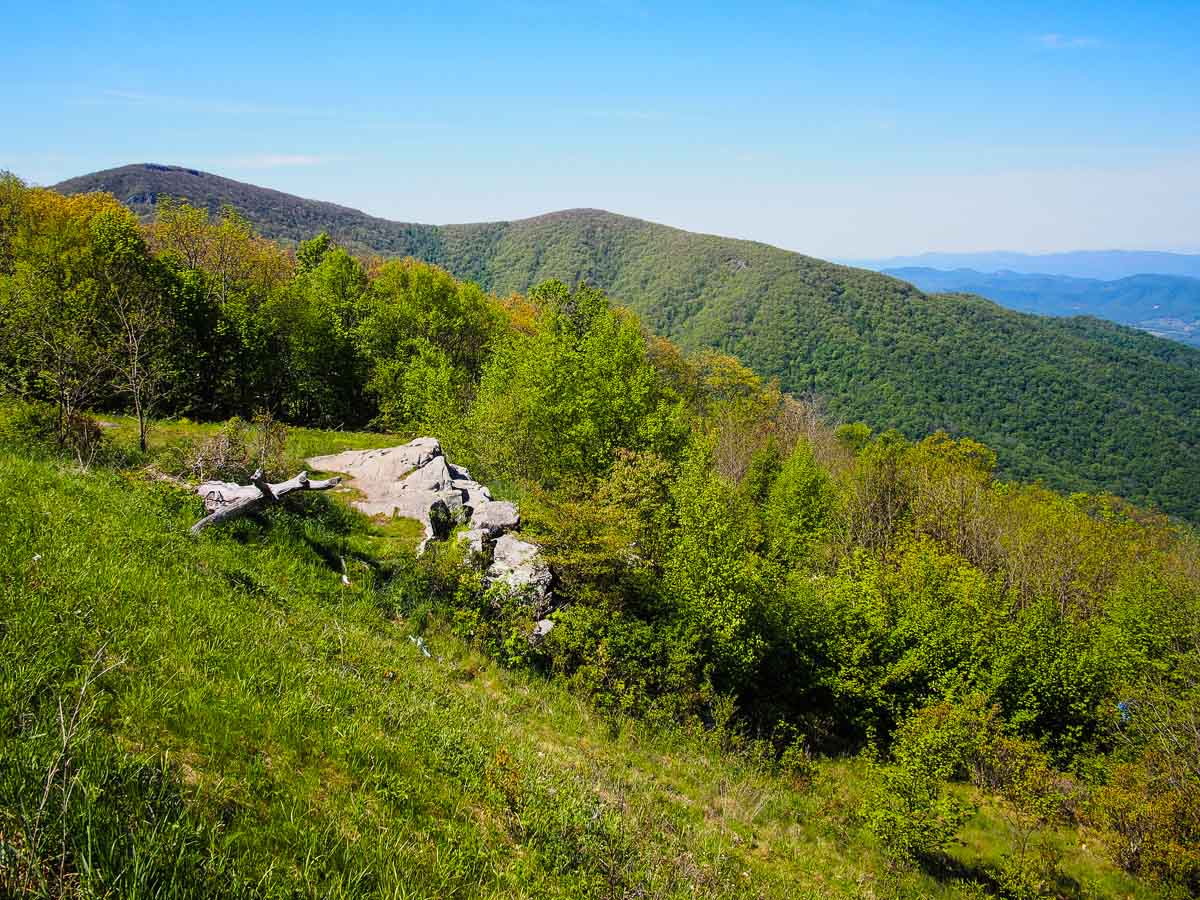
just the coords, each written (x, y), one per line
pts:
(1081, 403)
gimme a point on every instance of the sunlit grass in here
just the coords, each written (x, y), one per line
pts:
(307, 747)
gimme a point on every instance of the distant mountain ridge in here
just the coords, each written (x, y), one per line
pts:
(283, 217)
(1165, 305)
(1106, 265)
(1083, 404)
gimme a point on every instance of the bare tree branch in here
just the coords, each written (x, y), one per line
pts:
(226, 500)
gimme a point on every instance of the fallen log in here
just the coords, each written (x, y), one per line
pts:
(225, 500)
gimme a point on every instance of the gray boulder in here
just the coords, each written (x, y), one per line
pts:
(518, 566)
(495, 516)
(477, 541)
(433, 476)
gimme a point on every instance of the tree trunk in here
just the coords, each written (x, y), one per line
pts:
(141, 417)
(225, 500)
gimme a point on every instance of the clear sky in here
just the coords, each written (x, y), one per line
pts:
(846, 129)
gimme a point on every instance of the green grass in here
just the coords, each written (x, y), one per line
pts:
(266, 731)
(301, 442)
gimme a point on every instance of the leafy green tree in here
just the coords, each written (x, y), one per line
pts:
(315, 317)
(230, 278)
(854, 435)
(880, 493)
(713, 574)
(560, 402)
(911, 813)
(423, 337)
(310, 253)
(132, 288)
(800, 509)
(419, 389)
(52, 318)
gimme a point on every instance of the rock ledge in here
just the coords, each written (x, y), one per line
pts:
(416, 481)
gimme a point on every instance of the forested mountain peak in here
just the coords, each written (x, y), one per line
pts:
(140, 184)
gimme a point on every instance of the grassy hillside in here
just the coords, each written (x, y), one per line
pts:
(1083, 404)
(239, 723)
(814, 661)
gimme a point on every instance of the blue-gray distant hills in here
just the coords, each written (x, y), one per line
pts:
(1165, 305)
(1106, 265)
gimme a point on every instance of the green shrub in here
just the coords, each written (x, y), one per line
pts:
(29, 424)
(1151, 821)
(1150, 807)
(910, 812)
(915, 816)
(33, 425)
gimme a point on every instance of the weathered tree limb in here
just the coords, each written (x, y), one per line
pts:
(225, 500)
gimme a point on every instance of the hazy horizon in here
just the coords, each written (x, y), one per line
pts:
(857, 132)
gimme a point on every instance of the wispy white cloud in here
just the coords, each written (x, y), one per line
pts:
(201, 104)
(634, 114)
(278, 160)
(1054, 41)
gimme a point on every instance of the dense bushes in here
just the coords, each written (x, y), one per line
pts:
(558, 402)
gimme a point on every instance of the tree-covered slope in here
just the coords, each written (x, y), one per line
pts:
(279, 216)
(1082, 403)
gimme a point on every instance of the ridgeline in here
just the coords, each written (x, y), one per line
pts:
(1080, 403)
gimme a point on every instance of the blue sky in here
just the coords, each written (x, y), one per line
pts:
(847, 129)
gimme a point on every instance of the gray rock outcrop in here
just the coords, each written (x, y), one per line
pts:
(518, 565)
(495, 517)
(416, 481)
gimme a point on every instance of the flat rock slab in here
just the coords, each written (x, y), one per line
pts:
(389, 464)
(411, 481)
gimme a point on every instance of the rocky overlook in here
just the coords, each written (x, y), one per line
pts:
(417, 481)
